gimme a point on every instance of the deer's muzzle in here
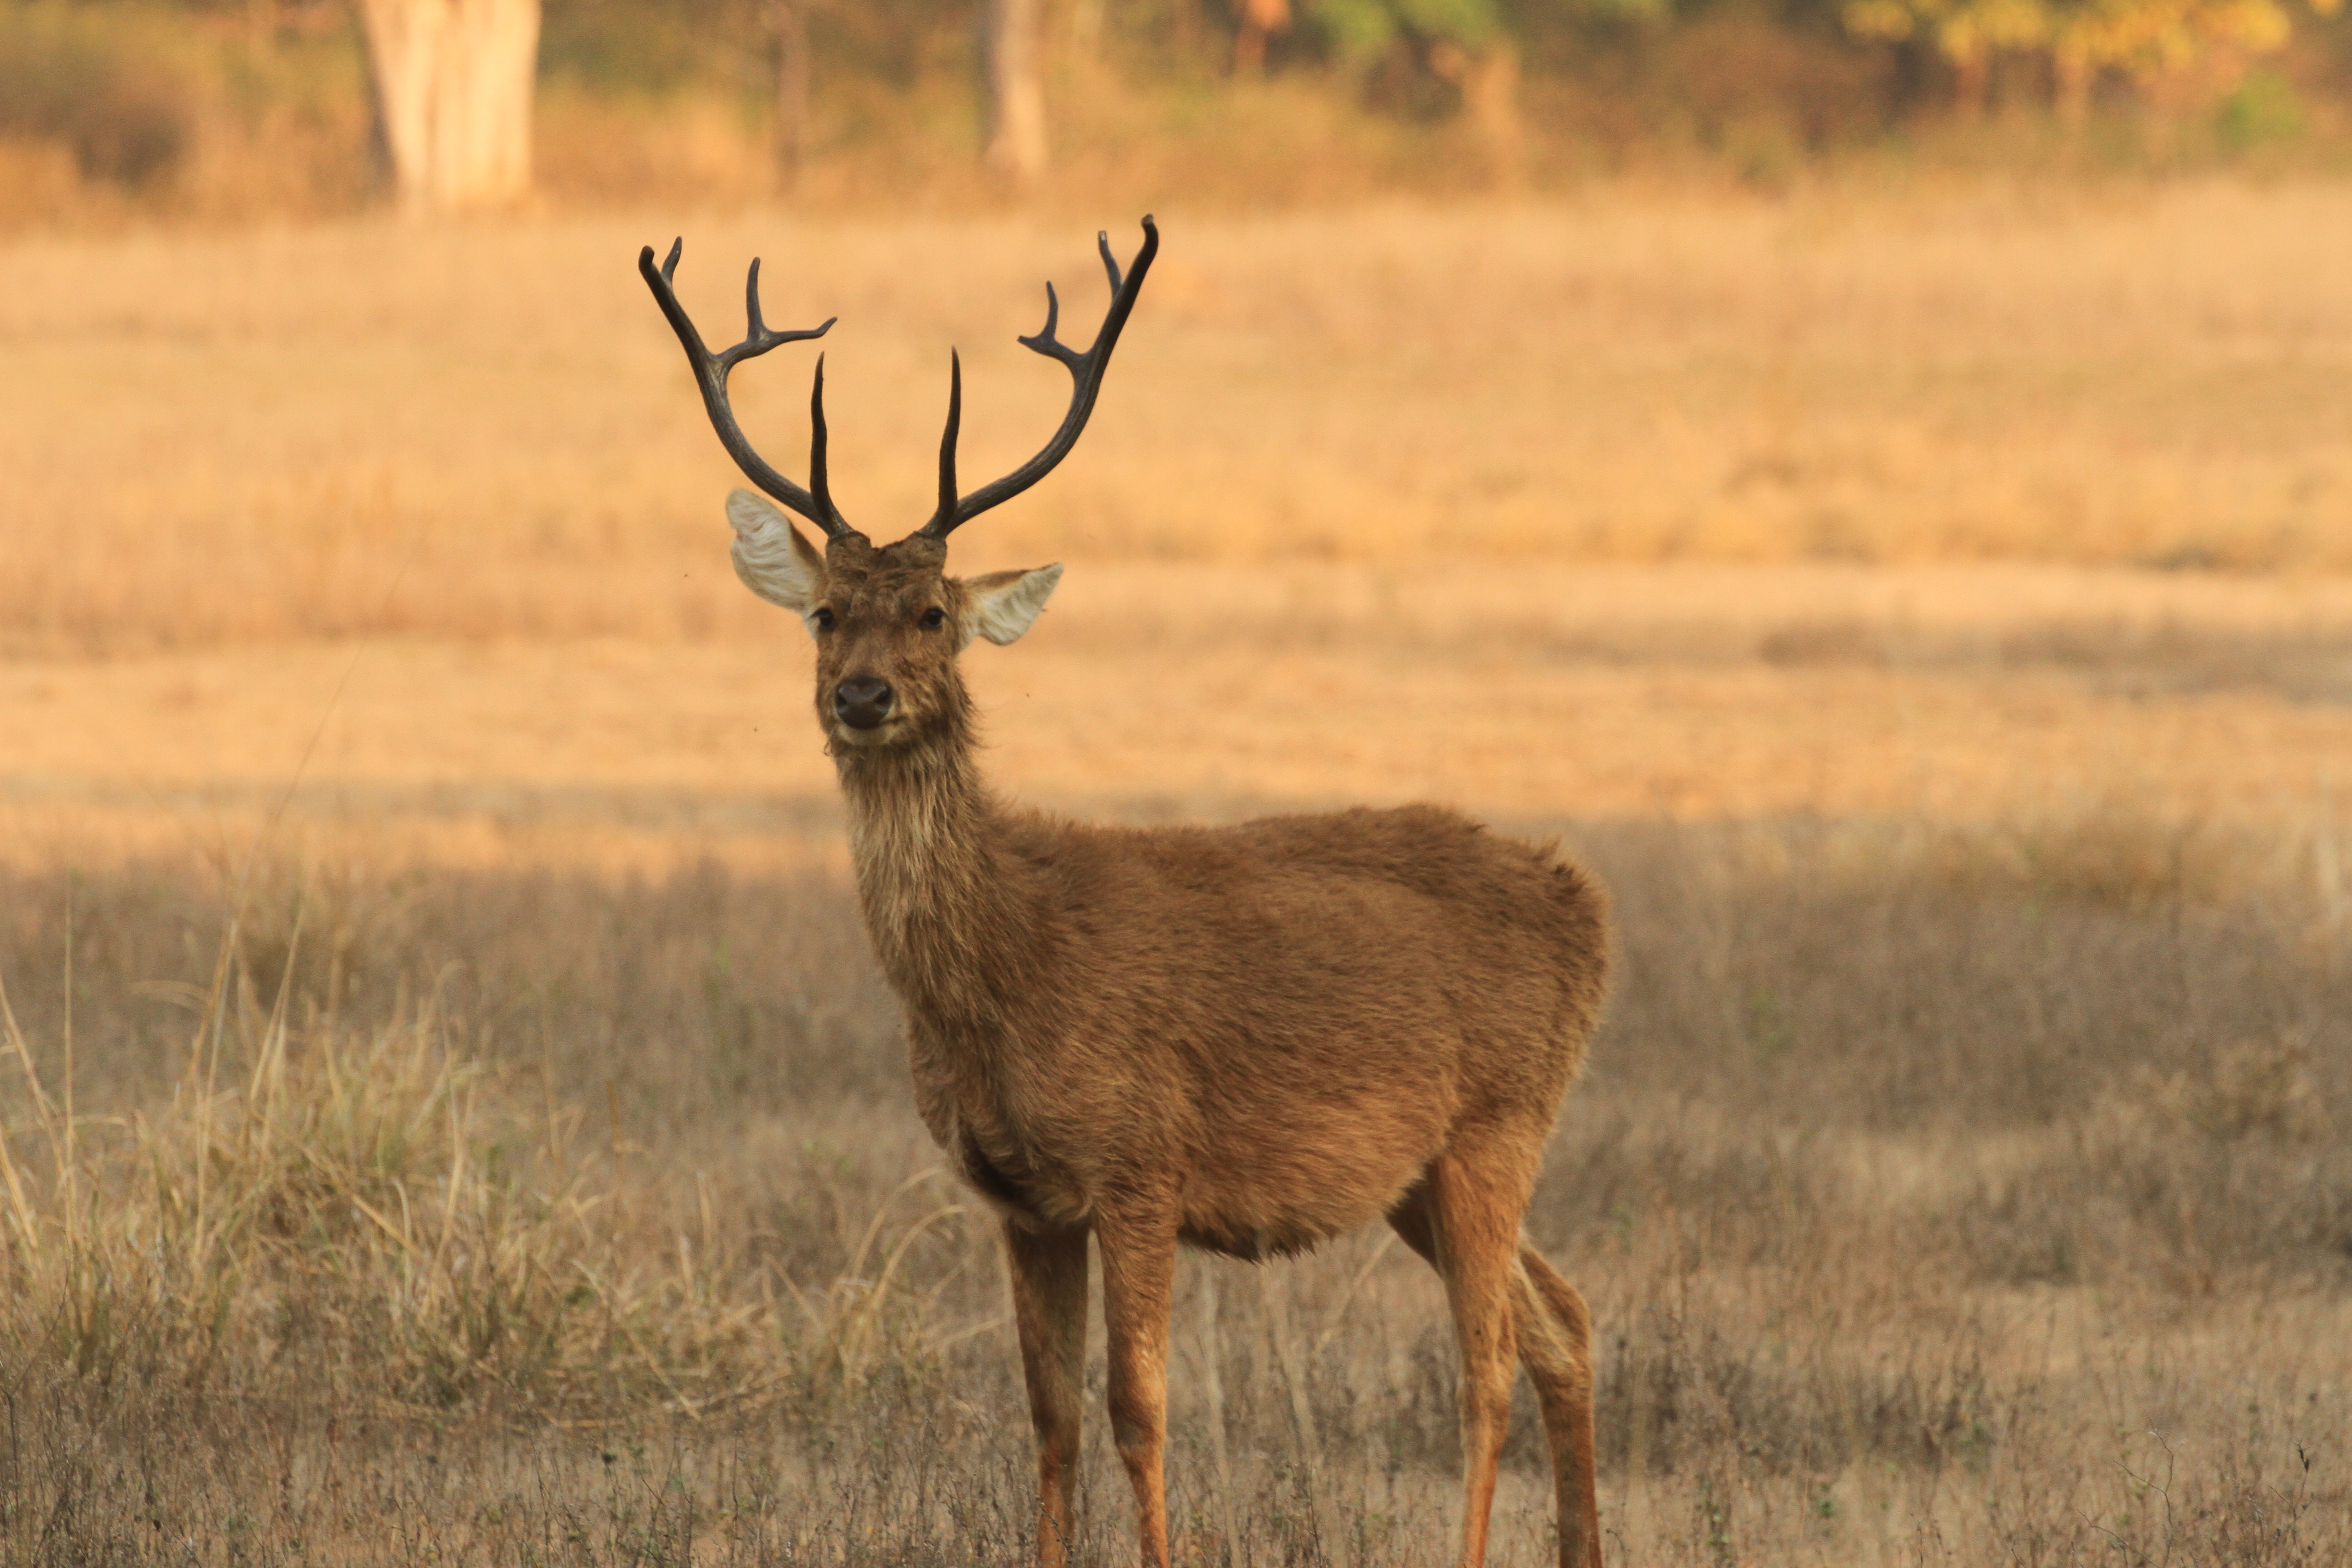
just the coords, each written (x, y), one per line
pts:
(862, 701)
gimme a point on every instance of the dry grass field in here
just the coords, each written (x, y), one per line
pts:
(1936, 1209)
(448, 1112)
(484, 431)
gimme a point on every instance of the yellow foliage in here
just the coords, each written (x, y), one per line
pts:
(2144, 38)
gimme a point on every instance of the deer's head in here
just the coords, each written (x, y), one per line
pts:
(889, 622)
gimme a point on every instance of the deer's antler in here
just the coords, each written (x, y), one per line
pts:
(816, 503)
(1086, 376)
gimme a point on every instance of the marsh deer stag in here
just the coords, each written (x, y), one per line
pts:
(1244, 1038)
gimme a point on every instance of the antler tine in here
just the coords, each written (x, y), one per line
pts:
(817, 486)
(948, 441)
(710, 375)
(1110, 262)
(1086, 377)
(1045, 342)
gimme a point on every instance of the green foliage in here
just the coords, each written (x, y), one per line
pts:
(101, 80)
(2143, 37)
(2264, 108)
(1361, 30)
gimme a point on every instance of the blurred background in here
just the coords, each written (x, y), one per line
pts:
(1872, 479)
(252, 108)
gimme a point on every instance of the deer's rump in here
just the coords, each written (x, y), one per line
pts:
(1297, 1014)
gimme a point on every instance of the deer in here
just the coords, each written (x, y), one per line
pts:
(1244, 1039)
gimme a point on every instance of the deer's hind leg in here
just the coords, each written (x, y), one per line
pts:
(1049, 1312)
(1556, 1344)
(1464, 1216)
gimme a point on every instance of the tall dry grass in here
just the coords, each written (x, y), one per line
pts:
(484, 430)
(1940, 1200)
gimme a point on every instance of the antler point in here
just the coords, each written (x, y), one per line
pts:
(710, 372)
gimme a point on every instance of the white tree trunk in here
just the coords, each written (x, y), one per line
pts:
(1016, 97)
(454, 81)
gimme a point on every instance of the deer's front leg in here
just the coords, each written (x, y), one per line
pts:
(1138, 1257)
(1049, 1310)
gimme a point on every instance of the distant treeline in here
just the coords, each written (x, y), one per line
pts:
(293, 105)
(1411, 57)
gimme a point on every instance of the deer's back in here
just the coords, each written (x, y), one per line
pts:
(1483, 903)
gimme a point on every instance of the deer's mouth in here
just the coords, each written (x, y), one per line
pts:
(886, 732)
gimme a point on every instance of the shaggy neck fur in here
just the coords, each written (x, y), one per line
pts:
(954, 919)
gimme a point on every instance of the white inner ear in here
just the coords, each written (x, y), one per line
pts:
(1000, 606)
(772, 557)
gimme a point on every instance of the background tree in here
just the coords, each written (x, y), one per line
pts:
(1010, 56)
(453, 85)
(1259, 19)
(2146, 42)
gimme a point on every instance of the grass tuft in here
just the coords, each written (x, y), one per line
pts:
(373, 1210)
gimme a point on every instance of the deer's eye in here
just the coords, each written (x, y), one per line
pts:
(934, 618)
(824, 619)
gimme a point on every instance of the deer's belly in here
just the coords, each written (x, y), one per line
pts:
(1286, 1195)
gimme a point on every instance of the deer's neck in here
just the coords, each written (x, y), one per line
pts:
(953, 924)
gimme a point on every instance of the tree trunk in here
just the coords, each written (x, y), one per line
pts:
(1260, 18)
(1017, 98)
(2071, 71)
(1971, 85)
(788, 19)
(1490, 95)
(453, 80)
(1490, 99)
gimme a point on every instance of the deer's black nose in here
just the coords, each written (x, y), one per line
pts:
(862, 702)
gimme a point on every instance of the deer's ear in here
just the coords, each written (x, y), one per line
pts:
(999, 605)
(772, 557)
